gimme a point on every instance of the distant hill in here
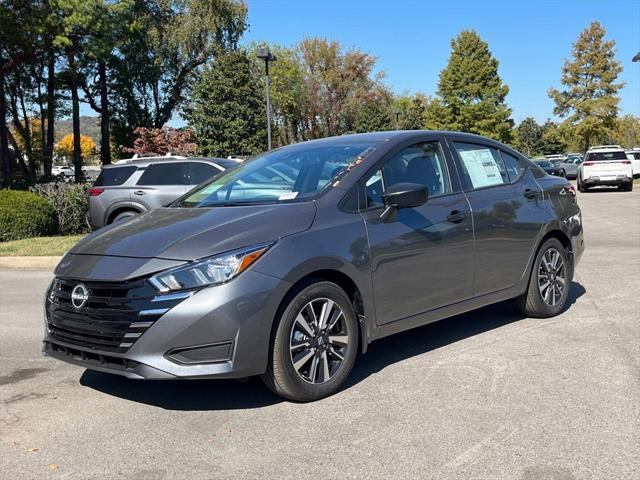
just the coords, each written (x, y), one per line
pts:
(89, 126)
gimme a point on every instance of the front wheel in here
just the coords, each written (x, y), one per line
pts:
(314, 345)
(548, 289)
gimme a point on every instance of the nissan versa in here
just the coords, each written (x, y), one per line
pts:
(290, 264)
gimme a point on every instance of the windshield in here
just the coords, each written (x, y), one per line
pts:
(293, 173)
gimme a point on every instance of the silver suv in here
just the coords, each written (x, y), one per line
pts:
(137, 185)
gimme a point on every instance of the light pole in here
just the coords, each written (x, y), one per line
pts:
(397, 118)
(267, 56)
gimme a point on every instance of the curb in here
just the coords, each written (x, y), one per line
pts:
(46, 263)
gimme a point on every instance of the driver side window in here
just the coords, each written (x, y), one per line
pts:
(422, 163)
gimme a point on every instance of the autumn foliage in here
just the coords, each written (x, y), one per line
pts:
(160, 141)
(64, 147)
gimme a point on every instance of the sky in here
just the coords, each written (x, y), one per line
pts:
(411, 39)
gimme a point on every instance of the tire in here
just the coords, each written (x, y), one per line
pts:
(288, 373)
(539, 302)
(124, 215)
(581, 187)
(627, 187)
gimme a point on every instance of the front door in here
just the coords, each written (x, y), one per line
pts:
(422, 257)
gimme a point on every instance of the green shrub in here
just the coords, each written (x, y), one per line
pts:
(70, 202)
(24, 214)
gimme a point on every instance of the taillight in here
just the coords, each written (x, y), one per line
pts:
(572, 190)
(626, 162)
(588, 164)
(94, 192)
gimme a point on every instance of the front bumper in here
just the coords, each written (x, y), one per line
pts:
(218, 332)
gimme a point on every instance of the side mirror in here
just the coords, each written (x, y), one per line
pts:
(403, 195)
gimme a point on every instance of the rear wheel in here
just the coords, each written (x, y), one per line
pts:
(581, 187)
(627, 187)
(548, 289)
(314, 345)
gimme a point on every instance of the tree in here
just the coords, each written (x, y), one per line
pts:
(627, 131)
(552, 140)
(65, 147)
(411, 110)
(529, 137)
(370, 112)
(163, 141)
(227, 110)
(471, 95)
(590, 98)
(166, 47)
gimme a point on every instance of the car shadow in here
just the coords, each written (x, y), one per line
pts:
(203, 395)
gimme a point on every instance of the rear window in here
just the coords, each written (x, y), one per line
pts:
(602, 156)
(110, 177)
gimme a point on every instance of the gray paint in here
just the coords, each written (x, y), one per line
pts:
(414, 269)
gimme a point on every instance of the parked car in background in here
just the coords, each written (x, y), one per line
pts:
(137, 185)
(327, 246)
(634, 156)
(551, 168)
(606, 165)
(556, 157)
(63, 171)
(570, 166)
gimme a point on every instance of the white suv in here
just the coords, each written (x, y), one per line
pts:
(605, 165)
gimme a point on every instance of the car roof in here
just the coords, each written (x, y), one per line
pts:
(145, 162)
(606, 149)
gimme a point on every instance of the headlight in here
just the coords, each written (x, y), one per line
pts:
(208, 272)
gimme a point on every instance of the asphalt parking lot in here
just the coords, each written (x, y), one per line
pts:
(488, 394)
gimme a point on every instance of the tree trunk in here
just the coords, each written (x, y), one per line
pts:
(51, 113)
(5, 162)
(105, 147)
(75, 104)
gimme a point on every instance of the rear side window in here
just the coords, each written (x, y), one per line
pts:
(110, 177)
(164, 174)
(201, 172)
(603, 156)
(515, 167)
(482, 166)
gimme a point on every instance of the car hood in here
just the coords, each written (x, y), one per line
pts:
(192, 233)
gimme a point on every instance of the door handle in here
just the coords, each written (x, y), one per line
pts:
(457, 216)
(139, 192)
(530, 194)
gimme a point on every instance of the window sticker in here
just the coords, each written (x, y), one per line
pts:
(481, 167)
(288, 196)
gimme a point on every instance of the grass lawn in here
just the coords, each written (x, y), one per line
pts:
(39, 246)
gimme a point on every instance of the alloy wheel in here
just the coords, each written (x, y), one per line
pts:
(551, 277)
(319, 341)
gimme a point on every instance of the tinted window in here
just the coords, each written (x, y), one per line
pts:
(544, 164)
(422, 163)
(110, 177)
(602, 156)
(201, 172)
(164, 174)
(515, 166)
(481, 165)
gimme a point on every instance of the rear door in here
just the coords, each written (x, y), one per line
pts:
(508, 213)
(161, 184)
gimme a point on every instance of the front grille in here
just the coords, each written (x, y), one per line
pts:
(114, 316)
